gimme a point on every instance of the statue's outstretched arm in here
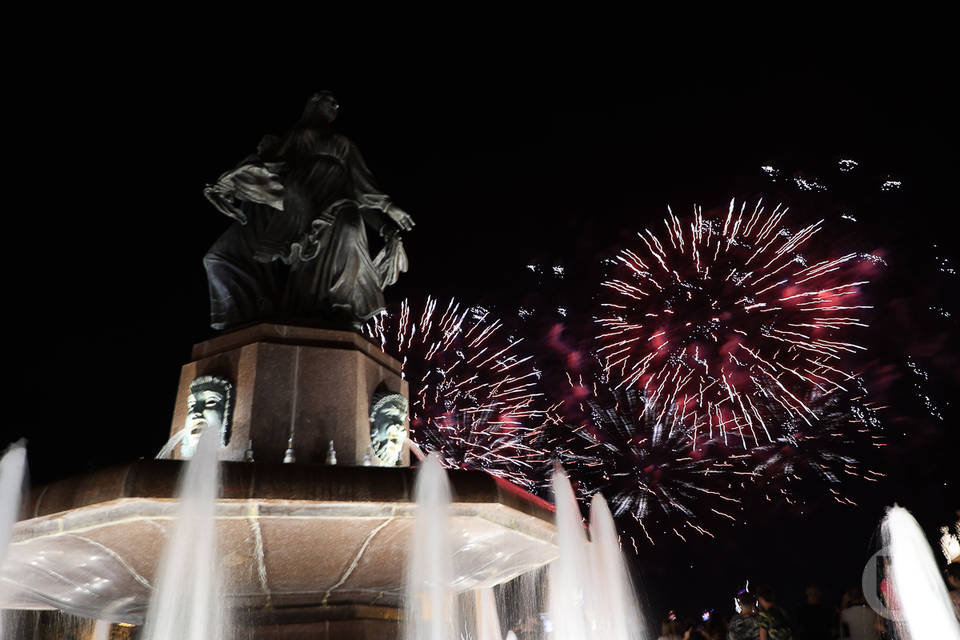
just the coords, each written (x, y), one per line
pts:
(384, 214)
(251, 181)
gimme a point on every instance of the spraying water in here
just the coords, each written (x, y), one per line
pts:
(615, 604)
(167, 450)
(101, 630)
(13, 467)
(522, 602)
(488, 621)
(591, 595)
(922, 606)
(186, 603)
(429, 612)
(569, 573)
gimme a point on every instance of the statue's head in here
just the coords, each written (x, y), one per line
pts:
(209, 406)
(323, 105)
(388, 414)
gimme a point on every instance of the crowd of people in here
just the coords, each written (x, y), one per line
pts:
(761, 617)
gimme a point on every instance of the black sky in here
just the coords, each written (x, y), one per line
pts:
(502, 160)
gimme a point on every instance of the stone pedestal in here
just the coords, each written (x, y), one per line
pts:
(315, 385)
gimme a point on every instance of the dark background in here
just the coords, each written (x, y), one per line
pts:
(553, 155)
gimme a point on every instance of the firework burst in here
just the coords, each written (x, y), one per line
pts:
(728, 328)
(648, 472)
(801, 462)
(474, 394)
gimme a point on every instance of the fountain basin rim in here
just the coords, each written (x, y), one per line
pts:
(270, 482)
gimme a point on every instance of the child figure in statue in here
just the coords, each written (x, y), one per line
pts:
(304, 201)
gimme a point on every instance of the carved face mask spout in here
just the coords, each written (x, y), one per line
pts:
(208, 407)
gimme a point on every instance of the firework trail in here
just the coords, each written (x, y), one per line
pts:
(728, 329)
(649, 473)
(801, 462)
(474, 394)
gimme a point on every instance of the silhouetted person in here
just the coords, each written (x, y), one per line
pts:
(694, 633)
(953, 579)
(715, 628)
(745, 625)
(669, 630)
(773, 621)
(815, 621)
(857, 620)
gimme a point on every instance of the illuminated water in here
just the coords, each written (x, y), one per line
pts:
(13, 467)
(569, 573)
(922, 608)
(171, 444)
(429, 612)
(101, 630)
(616, 607)
(488, 621)
(591, 595)
(186, 603)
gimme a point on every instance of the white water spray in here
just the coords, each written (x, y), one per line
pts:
(167, 450)
(488, 621)
(186, 603)
(429, 611)
(615, 602)
(101, 630)
(13, 469)
(921, 604)
(591, 595)
(569, 574)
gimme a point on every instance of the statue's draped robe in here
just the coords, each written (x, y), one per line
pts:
(304, 202)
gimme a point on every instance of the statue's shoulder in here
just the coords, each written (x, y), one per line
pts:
(341, 141)
(269, 146)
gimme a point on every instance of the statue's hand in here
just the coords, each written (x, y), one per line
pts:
(400, 217)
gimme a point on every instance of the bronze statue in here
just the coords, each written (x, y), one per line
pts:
(297, 250)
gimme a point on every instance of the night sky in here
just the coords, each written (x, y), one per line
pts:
(503, 162)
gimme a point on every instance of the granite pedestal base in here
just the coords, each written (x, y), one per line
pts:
(314, 385)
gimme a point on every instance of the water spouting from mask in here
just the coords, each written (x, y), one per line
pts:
(187, 602)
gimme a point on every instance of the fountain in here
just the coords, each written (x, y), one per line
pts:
(920, 604)
(568, 588)
(186, 602)
(591, 597)
(590, 591)
(13, 467)
(617, 609)
(429, 596)
(284, 496)
(305, 547)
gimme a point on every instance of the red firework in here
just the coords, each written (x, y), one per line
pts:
(728, 328)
